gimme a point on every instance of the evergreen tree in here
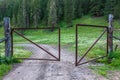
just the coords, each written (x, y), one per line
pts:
(44, 11)
(109, 7)
(60, 10)
(3, 8)
(78, 11)
(68, 12)
(86, 6)
(27, 12)
(117, 9)
(15, 12)
(52, 13)
(97, 7)
(20, 17)
(36, 11)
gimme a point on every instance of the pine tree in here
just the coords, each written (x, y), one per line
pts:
(26, 12)
(97, 7)
(107, 9)
(52, 13)
(36, 11)
(60, 10)
(86, 6)
(68, 12)
(15, 12)
(117, 9)
(44, 15)
(112, 7)
(78, 11)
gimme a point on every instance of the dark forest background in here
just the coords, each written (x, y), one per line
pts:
(32, 13)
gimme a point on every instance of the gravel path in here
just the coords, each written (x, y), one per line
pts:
(45, 70)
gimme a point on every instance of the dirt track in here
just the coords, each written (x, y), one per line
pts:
(45, 70)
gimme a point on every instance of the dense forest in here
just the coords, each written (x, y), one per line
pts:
(27, 13)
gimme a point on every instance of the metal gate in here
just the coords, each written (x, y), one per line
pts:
(17, 32)
(78, 61)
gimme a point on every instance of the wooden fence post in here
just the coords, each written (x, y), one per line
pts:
(7, 33)
(110, 37)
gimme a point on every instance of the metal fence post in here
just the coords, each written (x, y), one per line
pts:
(7, 34)
(110, 37)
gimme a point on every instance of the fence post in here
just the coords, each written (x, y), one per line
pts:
(110, 37)
(7, 34)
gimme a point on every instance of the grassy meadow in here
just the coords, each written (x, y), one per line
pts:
(86, 38)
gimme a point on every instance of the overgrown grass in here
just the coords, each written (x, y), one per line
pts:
(1, 32)
(86, 37)
(91, 20)
(4, 68)
(6, 63)
(104, 67)
(20, 52)
(101, 69)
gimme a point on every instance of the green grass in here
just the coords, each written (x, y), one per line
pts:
(115, 64)
(102, 70)
(86, 37)
(6, 63)
(19, 52)
(116, 60)
(1, 32)
(90, 20)
(4, 68)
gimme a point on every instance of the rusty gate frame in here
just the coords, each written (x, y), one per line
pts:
(78, 62)
(14, 30)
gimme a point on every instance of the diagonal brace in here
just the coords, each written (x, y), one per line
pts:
(34, 44)
(92, 46)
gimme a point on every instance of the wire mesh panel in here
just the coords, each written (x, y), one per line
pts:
(91, 43)
(36, 44)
